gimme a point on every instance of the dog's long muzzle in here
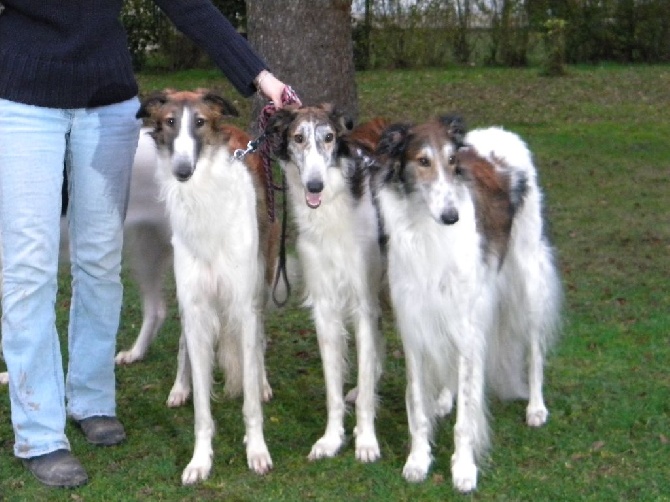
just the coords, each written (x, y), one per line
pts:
(449, 216)
(182, 169)
(313, 191)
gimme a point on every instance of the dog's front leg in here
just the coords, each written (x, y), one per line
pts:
(420, 458)
(367, 334)
(470, 431)
(200, 326)
(199, 339)
(258, 456)
(332, 341)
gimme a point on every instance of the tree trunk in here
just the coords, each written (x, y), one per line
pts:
(307, 45)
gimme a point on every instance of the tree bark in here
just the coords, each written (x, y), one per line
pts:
(307, 45)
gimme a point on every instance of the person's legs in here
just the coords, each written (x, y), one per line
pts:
(102, 145)
(32, 146)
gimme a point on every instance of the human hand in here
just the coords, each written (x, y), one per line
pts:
(271, 87)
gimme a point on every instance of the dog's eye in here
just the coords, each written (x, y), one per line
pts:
(298, 138)
(452, 160)
(329, 137)
(170, 121)
(199, 122)
(423, 161)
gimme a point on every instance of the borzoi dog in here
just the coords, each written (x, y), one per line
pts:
(340, 255)
(146, 246)
(473, 283)
(224, 255)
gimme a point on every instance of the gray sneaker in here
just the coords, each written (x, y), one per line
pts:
(102, 431)
(58, 468)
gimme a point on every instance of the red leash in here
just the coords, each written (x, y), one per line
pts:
(264, 147)
(288, 97)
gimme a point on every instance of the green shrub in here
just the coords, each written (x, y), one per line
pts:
(554, 43)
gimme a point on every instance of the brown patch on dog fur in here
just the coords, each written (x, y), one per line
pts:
(269, 231)
(367, 134)
(493, 205)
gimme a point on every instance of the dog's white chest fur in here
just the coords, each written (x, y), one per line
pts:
(337, 240)
(213, 214)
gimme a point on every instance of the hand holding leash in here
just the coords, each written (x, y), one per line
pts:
(289, 96)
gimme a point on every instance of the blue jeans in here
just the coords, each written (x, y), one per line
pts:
(96, 146)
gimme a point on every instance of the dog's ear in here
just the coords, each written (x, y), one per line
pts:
(151, 104)
(226, 108)
(455, 128)
(388, 163)
(342, 121)
(393, 141)
(276, 131)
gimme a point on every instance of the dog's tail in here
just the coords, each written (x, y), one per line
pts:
(529, 314)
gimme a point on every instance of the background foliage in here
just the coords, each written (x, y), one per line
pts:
(437, 33)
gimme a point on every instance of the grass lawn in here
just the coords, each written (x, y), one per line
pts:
(601, 140)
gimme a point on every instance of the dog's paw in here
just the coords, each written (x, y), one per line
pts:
(259, 460)
(464, 475)
(536, 416)
(367, 453)
(367, 448)
(197, 470)
(416, 467)
(128, 357)
(351, 396)
(4, 378)
(178, 396)
(326, 447)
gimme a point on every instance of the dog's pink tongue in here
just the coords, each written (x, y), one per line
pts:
(313, 199)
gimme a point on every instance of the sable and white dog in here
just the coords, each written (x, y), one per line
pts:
(473, 283)
(338, 247)
(224, 256)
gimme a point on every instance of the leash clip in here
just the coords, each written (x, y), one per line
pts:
(252, 146)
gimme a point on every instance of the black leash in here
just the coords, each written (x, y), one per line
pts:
(281, 266)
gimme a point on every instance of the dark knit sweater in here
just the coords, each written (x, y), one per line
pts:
(73, 53)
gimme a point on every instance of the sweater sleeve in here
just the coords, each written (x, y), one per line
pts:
(204, 24)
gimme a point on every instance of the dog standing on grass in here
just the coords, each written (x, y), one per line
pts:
(475, 290)
(225, 252)
(338, 247)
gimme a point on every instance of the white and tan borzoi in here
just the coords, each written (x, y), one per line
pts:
(338, 247)
(473, 283)
(224, 256)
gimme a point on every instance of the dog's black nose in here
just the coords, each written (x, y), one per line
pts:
(449, 216)
(315, 186)
(183, 171)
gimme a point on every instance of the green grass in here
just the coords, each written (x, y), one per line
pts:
(600, 139)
